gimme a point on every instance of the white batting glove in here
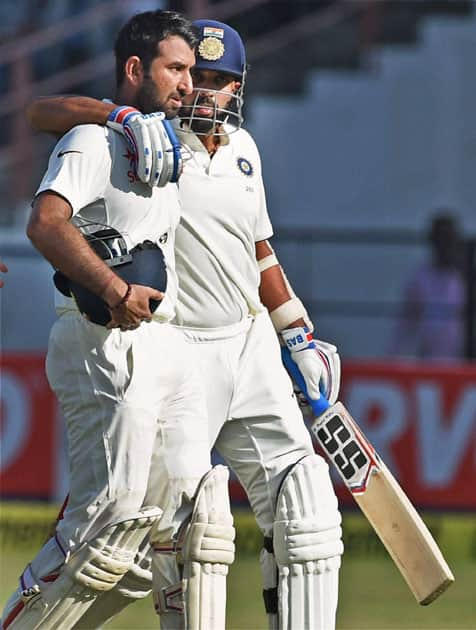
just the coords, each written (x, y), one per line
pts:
(318, 362)
(153, 142)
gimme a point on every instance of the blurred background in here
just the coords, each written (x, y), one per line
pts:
(364, 113)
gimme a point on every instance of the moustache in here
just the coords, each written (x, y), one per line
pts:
(204, 102)
(178, 95)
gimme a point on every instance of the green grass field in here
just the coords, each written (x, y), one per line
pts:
(373, 595)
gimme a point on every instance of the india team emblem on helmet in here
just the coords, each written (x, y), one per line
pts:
(211, 49)
(245, 166)
(221, 48)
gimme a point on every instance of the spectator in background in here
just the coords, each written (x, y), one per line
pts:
(431, 324)
(3, 269)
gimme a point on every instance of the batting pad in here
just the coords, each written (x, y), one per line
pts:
(136, 584)
(204, 552)
(307, 541)
(95, 567)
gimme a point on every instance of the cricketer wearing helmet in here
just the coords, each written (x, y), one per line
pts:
(233, 297)
(139, 457)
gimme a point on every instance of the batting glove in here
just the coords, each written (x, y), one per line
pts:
(153, 142)
(318, 362)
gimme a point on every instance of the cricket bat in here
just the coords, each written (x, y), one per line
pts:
(379, 496)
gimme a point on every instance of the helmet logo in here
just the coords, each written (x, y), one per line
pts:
(212, 31)
(245, 166)
(211, 49)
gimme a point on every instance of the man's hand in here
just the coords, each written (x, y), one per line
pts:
(153, 142)
(134, 308)
(318, 362)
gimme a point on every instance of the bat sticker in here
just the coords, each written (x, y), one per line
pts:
(353, 457)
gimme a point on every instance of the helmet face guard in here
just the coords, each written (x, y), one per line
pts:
(109, 245)
(220, 49)
(207, 98)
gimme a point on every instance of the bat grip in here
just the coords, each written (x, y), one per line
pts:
(318, 406)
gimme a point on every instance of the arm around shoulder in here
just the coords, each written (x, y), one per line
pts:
(59, 114)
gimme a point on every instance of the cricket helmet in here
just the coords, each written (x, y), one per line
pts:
(144, 264)
(221, 49)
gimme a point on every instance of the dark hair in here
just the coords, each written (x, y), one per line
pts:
(142, 34)
(444, 225)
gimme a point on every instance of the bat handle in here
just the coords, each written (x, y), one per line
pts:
(318, 406)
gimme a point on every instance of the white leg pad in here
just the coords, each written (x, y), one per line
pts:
(205, 550)
(307, 540)
(136, 584)
(95, 567)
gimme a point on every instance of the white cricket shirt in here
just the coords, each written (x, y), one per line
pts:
(223, 215)
(92, 168)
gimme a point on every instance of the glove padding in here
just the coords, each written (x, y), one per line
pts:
(318, 362)
(153, 142)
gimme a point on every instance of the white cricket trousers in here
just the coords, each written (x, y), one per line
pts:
(254, 420)
(136, 423)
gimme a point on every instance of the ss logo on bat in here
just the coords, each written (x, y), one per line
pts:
(343, 448)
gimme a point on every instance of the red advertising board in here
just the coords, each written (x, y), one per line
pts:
(421, 419)
(28, 428)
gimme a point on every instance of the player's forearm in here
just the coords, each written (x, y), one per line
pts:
(59, 114)
(272, 290)
(64, 247)
(275, 292)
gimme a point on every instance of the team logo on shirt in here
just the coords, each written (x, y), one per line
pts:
(130, 156)
(61, 153)
(245, 166)
(132, 172)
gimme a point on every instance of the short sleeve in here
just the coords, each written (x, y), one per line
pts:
(264, 229)
(79, 167)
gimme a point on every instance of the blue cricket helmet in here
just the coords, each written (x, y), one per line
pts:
(220, 48)
(144, 264)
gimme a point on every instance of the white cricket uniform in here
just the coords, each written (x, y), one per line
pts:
(254, 420)
(132, 404)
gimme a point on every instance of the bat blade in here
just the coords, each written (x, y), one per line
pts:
(384, 503)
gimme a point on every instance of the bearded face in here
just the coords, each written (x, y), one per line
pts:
(149, 100)
(161, 83)
(207, 110)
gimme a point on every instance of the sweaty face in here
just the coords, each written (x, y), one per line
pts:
(210, 101)
(168, 79)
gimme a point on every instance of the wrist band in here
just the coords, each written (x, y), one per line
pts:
(118, 115)
(287, 312)
(124, 298)
(267, 262)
